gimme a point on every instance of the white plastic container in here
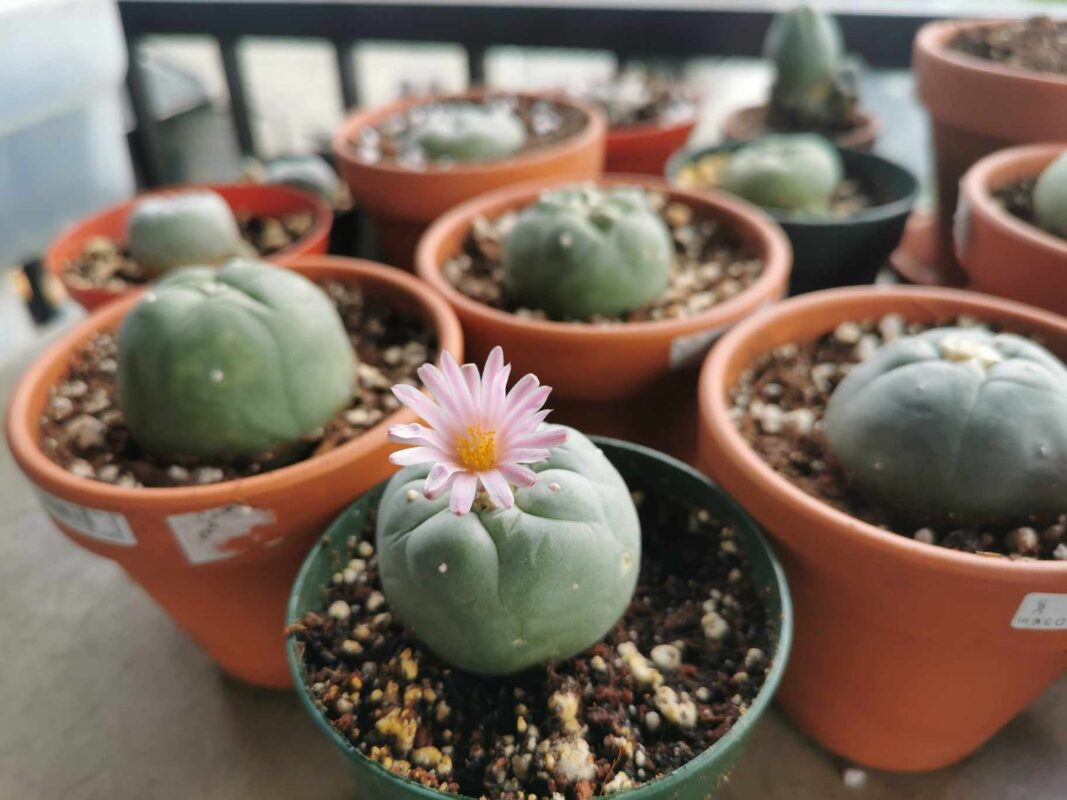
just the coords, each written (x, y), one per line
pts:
(63, 151)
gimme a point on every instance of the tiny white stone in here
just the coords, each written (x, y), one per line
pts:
(848, 333)
(365, 549)
(652, 721)
(1060, 553)
(375, 601)
(854, 778)
(715, 627)
(339, 609)
(666, 656)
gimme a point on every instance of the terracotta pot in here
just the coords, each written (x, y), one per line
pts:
(645, 149)
(605, 378)
(644, 470)
(978, 106)
(244, 199)
(403, 201)
(1002, 254)
(906, 657)
(750, 123)
(219, 558)
(830, 251)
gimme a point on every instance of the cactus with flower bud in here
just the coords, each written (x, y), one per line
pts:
(955, 424)
(504, 542)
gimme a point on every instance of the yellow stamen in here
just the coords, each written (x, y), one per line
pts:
(477, 450)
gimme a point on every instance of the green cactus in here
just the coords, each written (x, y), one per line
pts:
(812, 90)
(466, 132)
(797, 171)
(499, 591)
(1050, 197)
(583, 251)
(183, 229)
(310, 174)
(955, 424)
(231, 363)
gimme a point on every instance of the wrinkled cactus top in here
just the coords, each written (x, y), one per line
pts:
(1050, 197)
(178, 229)
(584, 250)
(230, 363)
(955, 424)
(466, 132)
(797, 171)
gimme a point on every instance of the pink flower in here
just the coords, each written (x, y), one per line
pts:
(479, 433)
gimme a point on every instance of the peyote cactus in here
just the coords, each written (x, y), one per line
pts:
(1050, 197)
(466, 132)
(583, 251)
(812, 90)
(796, 171)
(955, 424)
(183, 229)
(230, 363)
(530, 575)
(310, 174)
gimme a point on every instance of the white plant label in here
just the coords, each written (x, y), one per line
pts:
(689, 349)
(104, 526)
(216, 534)
(1041, 612)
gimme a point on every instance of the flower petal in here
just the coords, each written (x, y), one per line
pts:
(440, 479)
(422, 405)
(548, 438)
(459, 390)
(417, 455)
(442, 389)
(518, 474)
(526, 455)
(497, 487)
(415, 434)
(464, 488)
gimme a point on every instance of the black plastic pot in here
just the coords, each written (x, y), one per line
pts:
(838, 251)
(644, 470)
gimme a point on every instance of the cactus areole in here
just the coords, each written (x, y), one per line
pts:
(231, 363)
(1050, 197)
(180, 229)
(583, 251)
(504, 542)
(467, 132)
(955, 424)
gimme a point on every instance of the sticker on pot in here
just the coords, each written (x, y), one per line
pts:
(1041, 612)
(104, 526)
(216, 534)
(689, 349)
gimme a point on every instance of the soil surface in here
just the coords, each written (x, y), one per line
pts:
(711, 266)
(83, 430)
(547, 123)
(850, 196)
(779, 402)
(105, 263)
(679, 669)
(1017, 198)
(635, 98)
(1038, 44)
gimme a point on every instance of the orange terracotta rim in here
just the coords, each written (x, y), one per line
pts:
(594, 129)
(933, 40)
(649, 130)
(989, 174)
(23, 430)
(749, 122)
(834, 306)
(241, 195)
(777, 259)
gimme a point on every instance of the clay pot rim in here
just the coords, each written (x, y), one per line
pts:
(642, 130)
(777, 260)
(976, 186)
(894, 208)
(594, 129)
(23, 430)
(714, 415)
(867, 126)
(933, 40)
(783, 645)
(320, 226)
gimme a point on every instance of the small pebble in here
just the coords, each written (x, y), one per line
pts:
(339, 609)
(854, 778)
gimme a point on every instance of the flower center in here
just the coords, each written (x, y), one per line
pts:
(477, 450)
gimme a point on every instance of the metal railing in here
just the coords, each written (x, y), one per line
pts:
(629, 31)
